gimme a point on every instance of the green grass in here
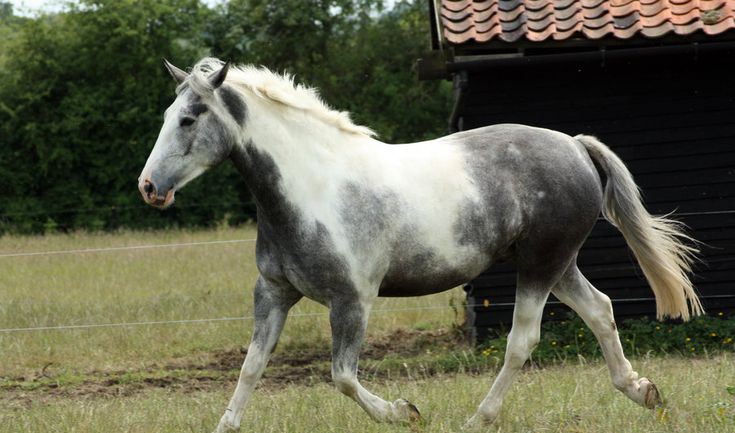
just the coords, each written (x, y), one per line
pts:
(196, 282)
(179, 377)
(575, 397)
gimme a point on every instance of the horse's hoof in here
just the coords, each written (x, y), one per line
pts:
(226, 426)
(470, 424)
(405, 411)
(652, 398)
(476, 422)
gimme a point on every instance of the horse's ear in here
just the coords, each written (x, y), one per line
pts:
(175, 72)
(217, 78)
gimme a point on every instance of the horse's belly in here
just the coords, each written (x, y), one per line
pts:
(419, 275)
(403, 287)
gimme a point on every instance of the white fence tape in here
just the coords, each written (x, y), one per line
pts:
(216, 319)
(126, 248)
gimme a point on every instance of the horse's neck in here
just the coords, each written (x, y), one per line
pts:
(298, 168)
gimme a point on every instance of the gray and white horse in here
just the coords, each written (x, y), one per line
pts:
(344, 218)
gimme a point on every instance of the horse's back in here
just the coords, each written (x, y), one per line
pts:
(536, 165)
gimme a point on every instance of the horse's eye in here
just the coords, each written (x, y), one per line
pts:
(187, 120)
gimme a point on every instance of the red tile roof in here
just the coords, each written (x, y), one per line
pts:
(540, 20)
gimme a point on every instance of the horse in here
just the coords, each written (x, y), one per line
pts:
(344, 218)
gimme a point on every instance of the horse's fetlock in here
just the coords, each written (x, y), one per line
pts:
(533, 341)
(622, 383)
(345, 383)
(488, 414)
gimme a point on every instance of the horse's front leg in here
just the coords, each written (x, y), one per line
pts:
(348, 319)
(272, 303)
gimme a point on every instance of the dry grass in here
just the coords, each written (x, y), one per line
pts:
(206, 281)
(216, 281)
(568, 398)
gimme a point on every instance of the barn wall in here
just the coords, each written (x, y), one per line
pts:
(672, 122)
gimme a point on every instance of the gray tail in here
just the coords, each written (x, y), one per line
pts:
(664, 252)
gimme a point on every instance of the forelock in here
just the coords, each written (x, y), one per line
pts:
(198, 78)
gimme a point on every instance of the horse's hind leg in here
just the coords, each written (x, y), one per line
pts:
(595, 309)
(522, 339)
(348, 318)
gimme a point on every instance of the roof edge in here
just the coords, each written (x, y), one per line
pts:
(442, 65)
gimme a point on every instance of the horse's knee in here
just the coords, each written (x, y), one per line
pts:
(252, 366)
(533, 340)
(346, 383)
(520, 348)
(250, 370)
(517, 357)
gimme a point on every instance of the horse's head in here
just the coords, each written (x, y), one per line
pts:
(198, 133)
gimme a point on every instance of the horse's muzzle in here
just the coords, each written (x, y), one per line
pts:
(151, 194)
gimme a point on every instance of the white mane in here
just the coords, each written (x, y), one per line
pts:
(271, 86)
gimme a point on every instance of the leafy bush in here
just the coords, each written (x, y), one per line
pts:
(571, 338)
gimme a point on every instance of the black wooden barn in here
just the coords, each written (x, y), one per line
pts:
(654, 80)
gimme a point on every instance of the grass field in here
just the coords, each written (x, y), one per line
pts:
(178, 377)
(570, 398)
(195, 282)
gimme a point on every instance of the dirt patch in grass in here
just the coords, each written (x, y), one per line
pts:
(303, 366)
(402, 343)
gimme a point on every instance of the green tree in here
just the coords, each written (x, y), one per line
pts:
(288, 34)
(82, 94)
(373, 75)
(360, 55)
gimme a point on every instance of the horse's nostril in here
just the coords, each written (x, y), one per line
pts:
(148, 188)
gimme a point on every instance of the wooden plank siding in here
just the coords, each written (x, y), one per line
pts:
(673, 123)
